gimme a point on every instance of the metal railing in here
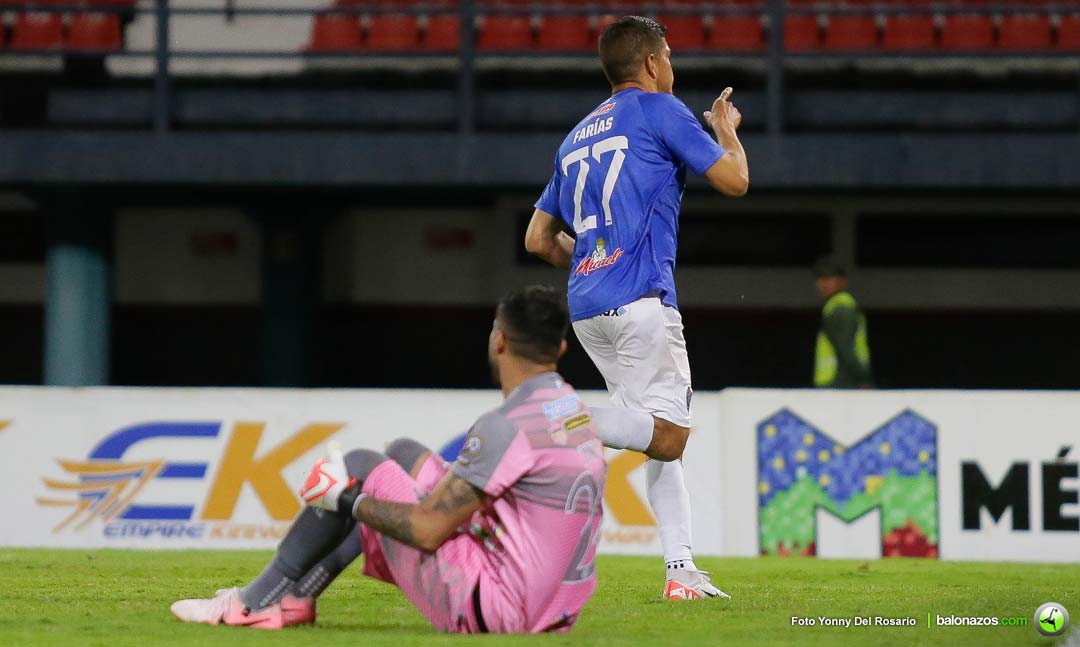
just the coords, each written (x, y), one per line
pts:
(774, 53)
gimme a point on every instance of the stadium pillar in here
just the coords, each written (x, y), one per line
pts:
(78, 298)
(774, 88)
(292, 292)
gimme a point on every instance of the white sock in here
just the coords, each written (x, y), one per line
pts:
(621, 428)
(665, 483)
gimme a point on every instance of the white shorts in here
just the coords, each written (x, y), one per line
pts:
(640, 350)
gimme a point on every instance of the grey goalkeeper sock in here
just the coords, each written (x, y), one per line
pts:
(314, 535)
(325, 572)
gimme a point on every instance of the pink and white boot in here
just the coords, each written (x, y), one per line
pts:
(227, 608)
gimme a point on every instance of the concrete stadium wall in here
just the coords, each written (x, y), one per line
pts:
(458, 256)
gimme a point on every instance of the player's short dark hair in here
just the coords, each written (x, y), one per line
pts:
(626, 43)
(535, 320)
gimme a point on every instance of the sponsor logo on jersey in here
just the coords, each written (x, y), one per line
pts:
(562, 407)
(599, 259)
(607, 107)
(577, 421)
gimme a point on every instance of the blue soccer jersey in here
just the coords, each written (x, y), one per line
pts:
(618, 181)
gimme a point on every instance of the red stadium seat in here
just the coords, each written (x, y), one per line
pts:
(684, 32)
(908, 32)
(969, 31)
(393, 32)
(335, 32)
(1068, 36)
(94, 31)
(800, 33)
(443, 33)
(1024, 31)
(506, 33)
(38, 31)
(603, 21)
(564, 33)
(851, 33)
(736, 33)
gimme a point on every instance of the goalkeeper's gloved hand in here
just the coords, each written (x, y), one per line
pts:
(329, 486)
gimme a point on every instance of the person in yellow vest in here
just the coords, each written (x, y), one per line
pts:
(842, 360)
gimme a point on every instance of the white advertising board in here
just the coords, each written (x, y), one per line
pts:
(963, 475)
(952, 475)
(219, 468)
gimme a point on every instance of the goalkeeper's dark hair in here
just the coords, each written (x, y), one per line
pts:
(534, 320)
(626, 43)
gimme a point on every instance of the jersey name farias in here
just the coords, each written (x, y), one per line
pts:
(618, 183)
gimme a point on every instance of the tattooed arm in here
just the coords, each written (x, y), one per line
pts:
(425, 525)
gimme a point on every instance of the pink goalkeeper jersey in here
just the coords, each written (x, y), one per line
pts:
(540, 460)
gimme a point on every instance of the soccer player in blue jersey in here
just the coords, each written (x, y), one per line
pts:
(618, 184)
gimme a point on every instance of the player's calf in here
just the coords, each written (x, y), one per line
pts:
(640, 431)
(668, 441)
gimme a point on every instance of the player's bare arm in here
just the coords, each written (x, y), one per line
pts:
(545, 238)
(730, 174)
(425, 525)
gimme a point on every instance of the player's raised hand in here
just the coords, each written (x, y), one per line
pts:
(723, 114)
(326, 481)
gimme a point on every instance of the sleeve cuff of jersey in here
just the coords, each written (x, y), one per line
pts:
(474, 481)
(715, 157)
(552, 209)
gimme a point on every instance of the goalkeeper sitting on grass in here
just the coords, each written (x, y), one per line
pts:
(501, 541)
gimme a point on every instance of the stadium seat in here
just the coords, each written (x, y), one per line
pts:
(968, 31)
(506, 33)
(1068, 35)
(564, 33)
(736, 33)
(851, 33)
(443, 33)
(335, 32)
(94, 31)
(38, 31)
(1024, 31)
(393, 32)
(620, 8)
(684, 32)
(908, 32)
(800, 33)
(602, 22)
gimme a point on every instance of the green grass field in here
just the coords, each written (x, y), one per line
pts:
(60, 597)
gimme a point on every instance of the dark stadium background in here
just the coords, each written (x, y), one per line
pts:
(945, 169)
